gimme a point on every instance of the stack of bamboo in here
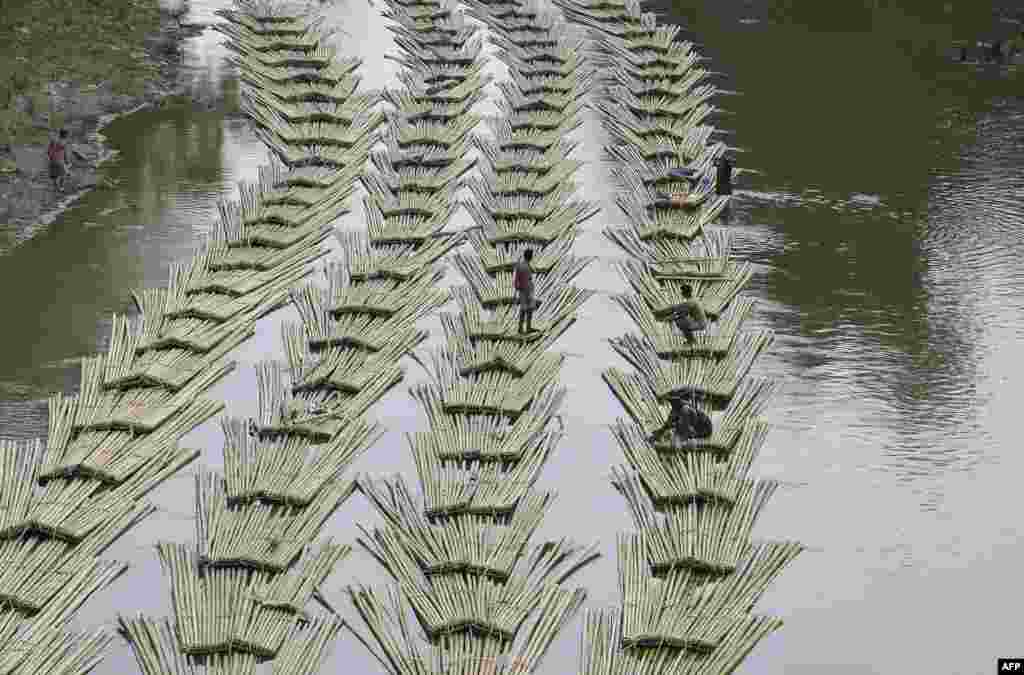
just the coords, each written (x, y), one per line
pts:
(485, 599)
(241, 594)
(690, 577)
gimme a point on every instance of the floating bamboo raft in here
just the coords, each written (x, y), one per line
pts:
(288, 470)
(690, 577)
(684, 477)
(49, 650)
(714, 379)
(241, 594)
(663, 293)
(481, 437)
(473, 545)
(461, 653)
(460, 555)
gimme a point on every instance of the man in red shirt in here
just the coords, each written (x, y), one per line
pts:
(57, 153)
(522, 281)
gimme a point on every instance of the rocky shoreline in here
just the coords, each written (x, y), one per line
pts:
(27, 195)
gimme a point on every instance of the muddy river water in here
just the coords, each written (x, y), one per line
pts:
(885, 226)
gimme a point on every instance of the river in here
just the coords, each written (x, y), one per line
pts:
(885, 228)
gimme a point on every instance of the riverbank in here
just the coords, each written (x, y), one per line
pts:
(27, 195)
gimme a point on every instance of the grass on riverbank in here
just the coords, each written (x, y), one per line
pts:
(85, 41)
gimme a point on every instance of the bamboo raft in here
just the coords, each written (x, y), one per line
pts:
(663, 296)
(288, 470)
(689, 578)
(117, 439)
(475, 545)
(717, 380)
(460, 556)
(484, 438)
(682, 478)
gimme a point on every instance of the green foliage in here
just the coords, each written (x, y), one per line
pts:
(84, 41)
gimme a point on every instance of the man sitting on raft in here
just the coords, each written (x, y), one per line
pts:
(685, 423)
(691, 317)
(522, 282)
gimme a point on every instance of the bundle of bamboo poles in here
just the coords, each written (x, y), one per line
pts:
(259, 536)
(500, 323)
(31, 644)
(682, 477)
(491, 392)
(155, 646)
(499, 230)
(398, 261)
(234, 609)
(111, 455)
(400, 651)
(664, 295)
(288, 469)
(318, 414)
(668, 341)
(641, 402)
(139, 409)
(514, 356)
(475, 545)
(346, 370)
(380, 297)
(484, 437)
(70, 509)
(710, 378)
(54, 651)
(28, 589)
(478, 487)
(370, 332)
(34, 573)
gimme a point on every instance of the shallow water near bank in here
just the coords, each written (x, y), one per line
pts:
(885, 230)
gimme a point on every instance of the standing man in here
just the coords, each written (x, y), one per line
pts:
(723, 177)
(522, 281)
(57, 154)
